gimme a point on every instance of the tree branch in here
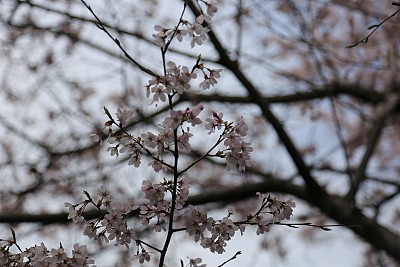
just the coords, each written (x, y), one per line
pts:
(257, 98)
(353, 90)
(336, 207)
(373, 139)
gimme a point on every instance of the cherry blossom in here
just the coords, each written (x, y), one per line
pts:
(214, 123)
(195, 262)
(142, 257)
(40, 255)
(124, 116)
(164, 204)
(113, 150)
(159, 38)
(211, 9)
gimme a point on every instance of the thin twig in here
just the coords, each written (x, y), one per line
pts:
(150, 246)
(220, 139)
(339, 133)
(233, 257)
(101, 26)
(373, 137)
(170, 230)
(375, 27)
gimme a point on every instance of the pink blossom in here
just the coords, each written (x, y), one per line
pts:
(157, 166)
(191, 115)
(159, 93)
(200, 19)
(241, 127)
(113, 150)
(174, 120)
(95, 138)
(58, 255)
(142, 257)
(195, 262)
(183, 141)
(150, 139)
(215, 122)
(211, 9)
(124, 116)
(159, 38)
(40, 252)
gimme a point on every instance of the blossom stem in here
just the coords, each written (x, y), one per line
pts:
(173, 200)
(150, 246)
(220, 139)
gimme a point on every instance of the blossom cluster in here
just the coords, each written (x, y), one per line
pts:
(197, 223)
(40, 255)
(156, 214)
(172, 135)
(165, 203)
(272, 211)
(155, 145)
(112, 225)
(238, 152)
(194, 31)
(158, 209)
(178, 80)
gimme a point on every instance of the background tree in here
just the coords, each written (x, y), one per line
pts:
(325, 118)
